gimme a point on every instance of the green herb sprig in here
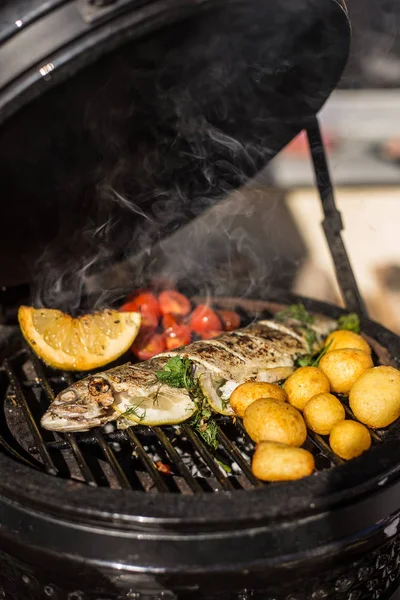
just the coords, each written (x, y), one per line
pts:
(178, 373)
(297, 312)
(351, 322)
(134, 410)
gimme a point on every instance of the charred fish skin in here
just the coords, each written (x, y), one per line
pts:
(233, 357)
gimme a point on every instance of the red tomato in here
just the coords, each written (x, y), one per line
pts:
(177, 335)
(204, 319)
(148, 306)
(174, 303)
(148, 345)
(169, 321)
(230, 319)
(163, 468)
(208, 335)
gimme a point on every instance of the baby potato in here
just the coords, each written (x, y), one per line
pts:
(278, 462)
(375, 397)
(305, 383)
(342, 338)
(322, 412)
(343, 367)
(247, 392)
(268, 419)
(349, 439)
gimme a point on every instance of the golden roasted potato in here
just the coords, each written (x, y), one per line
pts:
(268, 419)
(305, 383)
(278, 462)
(375, 397)
(349, 439)
(342, 338)
(343, 367)
(322, 412)
(248, 392)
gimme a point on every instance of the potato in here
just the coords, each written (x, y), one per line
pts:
(343, 367)
(349, 439)
(346, 339)
(246, 393)
(305, 383)
(268, 419)
(278, 462)
(322, 412)
(375, 397)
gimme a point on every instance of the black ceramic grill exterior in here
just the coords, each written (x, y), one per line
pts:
(92, 516)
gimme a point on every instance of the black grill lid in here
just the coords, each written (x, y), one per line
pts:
(173, 104)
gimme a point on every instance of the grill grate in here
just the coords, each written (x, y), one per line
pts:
(155, 460)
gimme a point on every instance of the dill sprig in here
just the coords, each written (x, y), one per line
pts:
(351, 322)
(134, 410)
(178, 373)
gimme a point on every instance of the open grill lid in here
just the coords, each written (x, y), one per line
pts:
(172, 104)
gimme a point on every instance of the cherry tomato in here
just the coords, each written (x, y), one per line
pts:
(163, 468)
(148, 306)
(177, 335)
(203, 319)
(209, 335)
(169, 321)
(174, 303)
(148, 345)
(230, 319)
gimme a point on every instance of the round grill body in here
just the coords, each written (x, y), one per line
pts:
(333, 535)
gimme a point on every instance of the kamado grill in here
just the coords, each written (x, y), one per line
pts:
(95, 91)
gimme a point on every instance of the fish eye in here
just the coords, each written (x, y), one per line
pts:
(98, 385)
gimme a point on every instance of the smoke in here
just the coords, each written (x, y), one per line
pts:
(165, 129)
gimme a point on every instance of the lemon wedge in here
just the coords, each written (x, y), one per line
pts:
(167, 406)
(80, 344)
(209, 390)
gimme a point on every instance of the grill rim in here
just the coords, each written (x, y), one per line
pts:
(133, 509)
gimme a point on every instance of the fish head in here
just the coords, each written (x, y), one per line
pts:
(85, 404)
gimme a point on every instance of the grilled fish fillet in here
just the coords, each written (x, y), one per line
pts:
(221, 364)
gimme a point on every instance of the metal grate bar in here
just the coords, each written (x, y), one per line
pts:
(112, 460)
(37, 436)
(146, 461)
(332, 223)
(207, 457)
(108, 453)
(326, 450)
(375, 436)
(235, 455)
(177, 460)
(69, 437)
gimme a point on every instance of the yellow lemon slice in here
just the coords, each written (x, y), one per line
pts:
(217, 403)
(80, 344)
(168, 406)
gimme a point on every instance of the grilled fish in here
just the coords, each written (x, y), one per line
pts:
(264, 351)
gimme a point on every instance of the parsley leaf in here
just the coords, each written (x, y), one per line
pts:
(351, 322)
(178, 372)
(297, 312)
(225, 467)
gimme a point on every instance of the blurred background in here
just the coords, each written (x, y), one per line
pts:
(272, 231)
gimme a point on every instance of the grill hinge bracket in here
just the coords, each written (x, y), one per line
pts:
(333, 223)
